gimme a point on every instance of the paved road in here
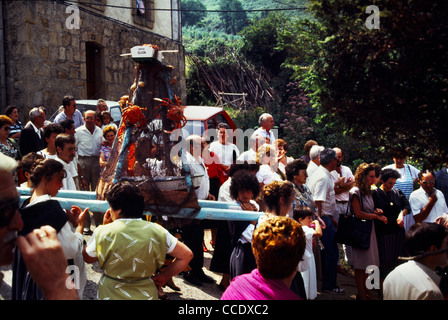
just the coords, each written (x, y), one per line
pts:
(188, 291)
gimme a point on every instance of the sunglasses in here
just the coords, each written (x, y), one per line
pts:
(7, 211)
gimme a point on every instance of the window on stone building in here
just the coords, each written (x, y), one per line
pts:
(143, 13)
(95, 71)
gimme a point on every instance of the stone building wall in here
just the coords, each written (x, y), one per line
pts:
(45, 60)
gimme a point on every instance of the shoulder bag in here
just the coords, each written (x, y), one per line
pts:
(353, 231)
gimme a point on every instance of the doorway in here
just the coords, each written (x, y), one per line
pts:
(95, 71)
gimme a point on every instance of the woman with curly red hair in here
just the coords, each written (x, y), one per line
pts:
(278, 245)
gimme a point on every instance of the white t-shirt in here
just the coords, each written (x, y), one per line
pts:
(312, 167)
(419, 199)
(72, 165)
(224, 152)
(267, 135)
(347, 173)
(322, 188)
(265, 175)
(412, 281)
(404, 171)
(88, 144)
(249, 156)
(224, 191)
(68, 183)
(198, 168)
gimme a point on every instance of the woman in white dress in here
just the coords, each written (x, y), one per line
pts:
(312, 230)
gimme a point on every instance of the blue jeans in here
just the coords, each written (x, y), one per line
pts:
(330, 255)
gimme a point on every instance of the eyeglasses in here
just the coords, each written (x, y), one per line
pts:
(428, 182)
(7, 211)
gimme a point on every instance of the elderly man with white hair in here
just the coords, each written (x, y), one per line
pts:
(197, 166)
(314, 160)
(193, 232)
(266, 122)
(31, 139)
(250, 156)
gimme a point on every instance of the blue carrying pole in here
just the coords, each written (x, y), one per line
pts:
(211, 210)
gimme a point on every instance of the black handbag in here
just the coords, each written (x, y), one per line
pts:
(352, 231)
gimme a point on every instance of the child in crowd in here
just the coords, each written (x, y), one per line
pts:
(312, 230)
(107, 120)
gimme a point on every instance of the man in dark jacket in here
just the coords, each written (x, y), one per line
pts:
(30, 138)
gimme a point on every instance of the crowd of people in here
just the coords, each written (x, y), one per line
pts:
(282, 255)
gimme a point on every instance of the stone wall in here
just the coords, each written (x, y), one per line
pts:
(45, 60)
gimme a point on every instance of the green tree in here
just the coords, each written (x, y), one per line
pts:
(191, 18)
(388, 86)
(233, 15)
(260, 41)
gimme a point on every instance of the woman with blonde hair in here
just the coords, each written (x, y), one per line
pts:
(267, 158)
(363, 207)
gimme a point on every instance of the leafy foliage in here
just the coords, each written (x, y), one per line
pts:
(234, 21)
(259, 42)
(388, 86)
(197, 13)
(297, 124)
(367, 91)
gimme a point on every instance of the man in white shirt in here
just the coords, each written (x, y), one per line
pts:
(417, 279)
(193, 232)
(197, 166)
(250, 156)
(343, 181)
(314, 160)
(70, 112)
(322, 188)
(427, 203)
(266, 122)
(226, 151)
(88, 140)
(66, 151)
